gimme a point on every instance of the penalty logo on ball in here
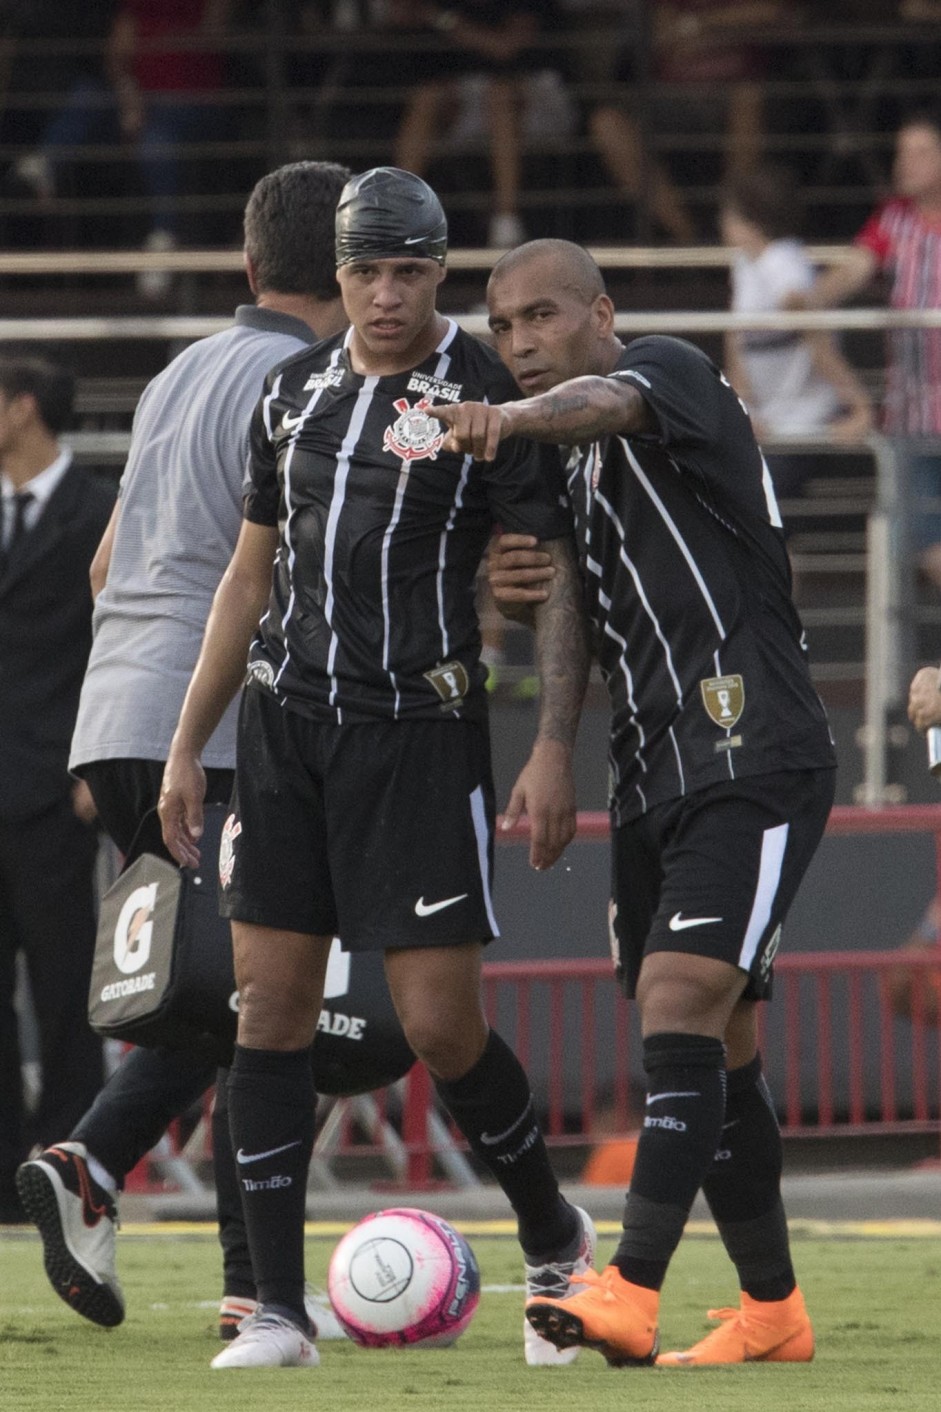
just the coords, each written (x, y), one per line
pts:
(404, 1276)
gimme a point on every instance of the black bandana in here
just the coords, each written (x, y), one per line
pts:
(387, 213)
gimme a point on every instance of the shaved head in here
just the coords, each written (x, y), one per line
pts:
(572, 266)
(550, 315)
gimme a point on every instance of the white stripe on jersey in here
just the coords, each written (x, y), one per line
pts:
(266, 404)
(266, 417)
(728, 754)
(441, 369)
(450, 335)
(466, 465)
(631, 567)
(400, 489)
(288, 538)
(771, 500)
(634, 720)
(773, 845)
(674, 531)
(482, 834)
(360, 412)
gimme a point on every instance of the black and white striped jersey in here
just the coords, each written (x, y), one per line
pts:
(372, 610)
(689, 586)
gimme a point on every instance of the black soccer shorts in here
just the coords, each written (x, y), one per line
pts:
(381, 832)
(714, 873)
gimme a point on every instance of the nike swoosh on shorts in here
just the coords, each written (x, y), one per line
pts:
(425, 909)
(679, 923)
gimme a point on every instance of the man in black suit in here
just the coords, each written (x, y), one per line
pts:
(53, 516)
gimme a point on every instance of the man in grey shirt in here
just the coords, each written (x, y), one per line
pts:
(154, 575)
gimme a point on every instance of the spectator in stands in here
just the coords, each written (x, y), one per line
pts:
(54, 513)
(701, 49)
(87, 113)
(490, 37)
(168, 543)
(160, 61)
(903, 237)
(918, 992)
(157, 87)
(794, 384)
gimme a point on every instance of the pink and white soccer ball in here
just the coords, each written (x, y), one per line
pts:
(403, 1276)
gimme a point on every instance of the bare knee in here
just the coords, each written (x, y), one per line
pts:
(448, 1049)
(269, 1019)
(680, 994)
(436, 992)
(280, 976)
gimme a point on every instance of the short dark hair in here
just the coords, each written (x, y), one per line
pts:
(289, 228)
(51, 384)
(769, 197)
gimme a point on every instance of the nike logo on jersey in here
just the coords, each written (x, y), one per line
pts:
(291, 423)
(245, 1157)
(425, 909)
(679, 923)
(658, 1097)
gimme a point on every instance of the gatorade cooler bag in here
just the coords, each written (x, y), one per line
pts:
(163, 975)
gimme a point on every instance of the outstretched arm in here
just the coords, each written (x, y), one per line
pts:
(545, 789)
(576, 411)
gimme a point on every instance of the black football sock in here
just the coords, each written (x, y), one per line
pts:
(271, 1120)
(493, 1106)
(743, 1187)
(237, 1275)
(682, 1122)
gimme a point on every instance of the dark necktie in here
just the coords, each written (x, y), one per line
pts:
(21, 501)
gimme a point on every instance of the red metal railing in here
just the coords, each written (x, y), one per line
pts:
(568, 1022)
(577, 1036)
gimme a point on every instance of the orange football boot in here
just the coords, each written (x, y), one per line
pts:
(611, 1315)
(777, 1331)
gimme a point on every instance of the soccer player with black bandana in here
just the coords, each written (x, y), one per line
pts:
(722, 771)
(364, 800)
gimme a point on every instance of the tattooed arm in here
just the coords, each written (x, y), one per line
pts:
(545, 789)
(576, 411)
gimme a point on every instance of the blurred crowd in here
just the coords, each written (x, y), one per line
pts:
(166, 101)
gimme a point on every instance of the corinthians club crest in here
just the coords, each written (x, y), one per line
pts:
(415, 435)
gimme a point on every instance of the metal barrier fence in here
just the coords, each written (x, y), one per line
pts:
(831, 1011)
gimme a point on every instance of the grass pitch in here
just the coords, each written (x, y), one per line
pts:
(875, 1300)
